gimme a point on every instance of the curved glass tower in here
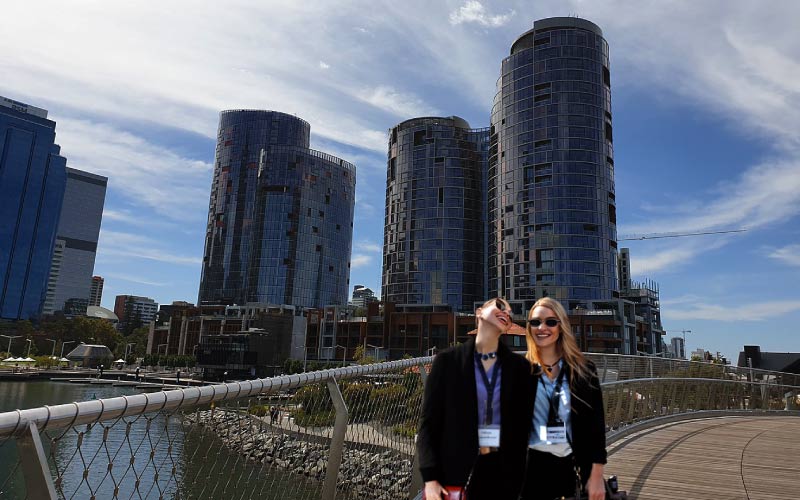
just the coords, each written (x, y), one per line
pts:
(280, 219)
(433, 247)
(551, 205)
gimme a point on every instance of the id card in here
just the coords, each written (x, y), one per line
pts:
(553, 434)
(489, 436)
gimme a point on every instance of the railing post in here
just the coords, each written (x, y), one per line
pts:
(416, 477)
(337, 442)
(605, 369)
(38, 483)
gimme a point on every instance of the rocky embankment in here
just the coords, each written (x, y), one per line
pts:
(379, 475)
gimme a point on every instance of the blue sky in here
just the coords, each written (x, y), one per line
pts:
(705, 98)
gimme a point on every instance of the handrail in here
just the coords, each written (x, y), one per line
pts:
(15, 423)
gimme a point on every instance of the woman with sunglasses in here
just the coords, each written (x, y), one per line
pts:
(476, 414)
(568, 432)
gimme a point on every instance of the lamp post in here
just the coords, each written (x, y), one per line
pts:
(30, 343)
(377, 350)
(62, 348)
(126, 351)
(52, 354)
(158, 349)
(10, 338)
(344, 353)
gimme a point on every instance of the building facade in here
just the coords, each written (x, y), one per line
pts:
(362, 296)
(280, 219)
(551, 202)
(78, 232)
(134, 311)
(96, 291)
(434, 234)
(32, 180)
(678, 348)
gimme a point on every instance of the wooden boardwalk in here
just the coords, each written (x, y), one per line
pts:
(716, 458)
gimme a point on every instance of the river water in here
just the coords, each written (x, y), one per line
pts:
(197, 462)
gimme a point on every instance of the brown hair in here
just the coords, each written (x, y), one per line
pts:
(491, 302)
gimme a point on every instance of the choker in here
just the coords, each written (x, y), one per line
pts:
(486, 356)
(549, 368)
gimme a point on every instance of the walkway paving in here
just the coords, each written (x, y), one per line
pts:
(716, 458)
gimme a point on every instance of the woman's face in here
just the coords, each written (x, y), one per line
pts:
(496, 314)
(543, 335)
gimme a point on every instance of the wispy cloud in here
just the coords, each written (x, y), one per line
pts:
(789, 254)
(756, 311)
(368, 246)
(134, 246)
(324, 65)
(134, 279)
(401, 104)
(360, 260)
(474, 12)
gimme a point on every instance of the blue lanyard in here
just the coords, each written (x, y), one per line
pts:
(489, 385)
(554, 398)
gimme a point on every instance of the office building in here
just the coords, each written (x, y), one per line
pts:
(134, 312)
(32, 181)
(96, 291)
(551, 203)
(677, 347)
(280, 219)
(362, 296)
(78, 232)
(434, 234)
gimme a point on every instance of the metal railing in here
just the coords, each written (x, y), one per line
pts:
(342, 433)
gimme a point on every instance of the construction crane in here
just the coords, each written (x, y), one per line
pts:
(655, 236)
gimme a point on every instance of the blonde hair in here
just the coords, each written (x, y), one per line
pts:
(566, 342)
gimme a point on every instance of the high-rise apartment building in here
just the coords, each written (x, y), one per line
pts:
(551, 202)
(280, 219)
(78, 233)
(96, 291)
(362, 296)
(32, 179)
(134, 311)
(678, 347)
(434, 230)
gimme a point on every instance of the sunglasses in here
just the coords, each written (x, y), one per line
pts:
(501, 305)
(550, 322)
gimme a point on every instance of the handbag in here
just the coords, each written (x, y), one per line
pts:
(611, 490)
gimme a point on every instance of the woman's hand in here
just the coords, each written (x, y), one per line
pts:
(595, 486)
(433, 491)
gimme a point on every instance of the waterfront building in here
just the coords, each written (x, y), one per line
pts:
(753, 357)
(280, 219)
(32, 180)
(78, 232)
(362, 296)
(551, 202)
(434, 230)
(96, 291)
(134, 311)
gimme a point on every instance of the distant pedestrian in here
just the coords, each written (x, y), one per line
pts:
(101, 371)
(178, 377)
(273, 414)
(137, 373)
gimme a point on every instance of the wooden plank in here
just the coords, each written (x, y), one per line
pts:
(732, 458)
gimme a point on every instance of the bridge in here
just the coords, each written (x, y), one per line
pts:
(675, 429)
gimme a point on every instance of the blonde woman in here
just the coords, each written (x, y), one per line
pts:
(476, 414)
(568, 429)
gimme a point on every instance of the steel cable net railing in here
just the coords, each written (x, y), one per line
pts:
(269, 438)
(279, 437)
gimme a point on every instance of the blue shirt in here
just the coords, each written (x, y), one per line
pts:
(541, 411)
(483, 392)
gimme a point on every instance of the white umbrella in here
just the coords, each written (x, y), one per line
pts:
(119, 361)
(10, 358)
(28, 360)
(64, 360)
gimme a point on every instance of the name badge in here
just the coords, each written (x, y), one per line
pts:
(489, 436)
(553, 434)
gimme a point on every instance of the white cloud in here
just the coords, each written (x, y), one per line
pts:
(133, 279)
(404, 105)
(135, 246)
(368, 246)
(474, 12)
(789, 254)
(360, 260)
(755, 311)
(324, 65)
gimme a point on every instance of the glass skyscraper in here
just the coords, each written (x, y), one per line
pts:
(433, 248)
(280, 220)
(32, 180)
(551, 204)
(76, 241)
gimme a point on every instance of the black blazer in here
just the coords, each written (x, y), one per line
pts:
(588, 418)
(447, 443)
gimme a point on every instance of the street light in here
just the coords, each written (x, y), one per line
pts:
(62, 348)
(158, 349)
(126, 351)
(52, 354)
(344, 353)
(377, 350)
(30, 343)
(10, 338)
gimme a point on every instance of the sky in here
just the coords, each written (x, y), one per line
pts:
(705, 102)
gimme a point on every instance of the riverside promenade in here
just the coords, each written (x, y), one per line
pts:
(730, 457)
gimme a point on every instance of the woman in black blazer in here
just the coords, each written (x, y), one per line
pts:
(463, 381)
(568, 420)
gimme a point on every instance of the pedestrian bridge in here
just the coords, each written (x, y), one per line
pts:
(675, 429)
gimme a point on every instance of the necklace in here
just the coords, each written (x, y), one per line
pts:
(549, 368)
(486, 355)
